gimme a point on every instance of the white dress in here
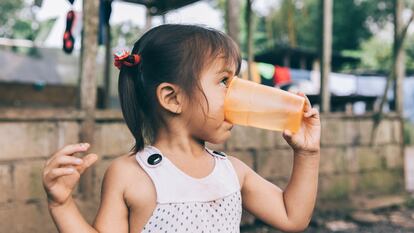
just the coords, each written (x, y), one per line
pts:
(187, 204)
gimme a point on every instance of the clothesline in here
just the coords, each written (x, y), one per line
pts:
(308, 81)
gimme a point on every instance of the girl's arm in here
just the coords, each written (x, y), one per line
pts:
(67, 218)
(59, 181)
(288, 210)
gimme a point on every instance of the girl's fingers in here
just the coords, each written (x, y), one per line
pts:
(88, 160)
(69, 150)
(308, 110)
(73, 148)
(311, 113)
(65, 160)
(287, 135)
(308, 104)
(58, 172)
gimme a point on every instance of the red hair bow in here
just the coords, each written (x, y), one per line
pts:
(124, 58)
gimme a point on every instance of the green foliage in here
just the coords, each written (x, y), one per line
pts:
(9, 10)
(23, 29)
(308, 24)
(355, 24)
(124, 34)
(351, 21)
(257, 35)
(350, 24)
(376, 54)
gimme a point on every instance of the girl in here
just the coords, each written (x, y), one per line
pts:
(172, 90)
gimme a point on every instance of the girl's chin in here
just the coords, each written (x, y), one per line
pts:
(225, 136)
(222, 139)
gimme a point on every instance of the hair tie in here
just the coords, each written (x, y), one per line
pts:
(124, 58)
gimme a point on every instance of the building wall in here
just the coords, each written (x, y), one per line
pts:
(350, 167)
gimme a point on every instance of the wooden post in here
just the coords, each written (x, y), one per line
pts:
(232, 19)
(399, 67)
(88, 85)
(326, 55)
(250, 52)
(290, 23)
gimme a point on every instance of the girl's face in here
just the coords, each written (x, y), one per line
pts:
(210, 125)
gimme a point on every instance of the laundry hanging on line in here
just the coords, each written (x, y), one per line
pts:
(105, 9)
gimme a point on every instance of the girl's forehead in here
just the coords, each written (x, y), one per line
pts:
(222, 65)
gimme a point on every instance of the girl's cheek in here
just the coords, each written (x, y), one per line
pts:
(217, 107)
(220, 110)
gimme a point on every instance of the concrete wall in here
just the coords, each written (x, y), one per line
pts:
(350, 167)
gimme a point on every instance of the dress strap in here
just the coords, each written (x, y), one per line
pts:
(173, 185)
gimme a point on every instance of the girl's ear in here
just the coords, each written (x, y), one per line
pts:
(170, 97)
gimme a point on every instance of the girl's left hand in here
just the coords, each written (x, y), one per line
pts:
(307, 139)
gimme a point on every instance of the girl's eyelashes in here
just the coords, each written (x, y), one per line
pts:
(225, 81)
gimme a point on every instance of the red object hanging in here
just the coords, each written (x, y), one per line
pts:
(281, 76)
(68, 39)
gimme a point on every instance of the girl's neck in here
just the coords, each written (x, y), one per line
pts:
(176, 144)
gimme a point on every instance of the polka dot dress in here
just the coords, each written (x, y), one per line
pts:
(221, 215)
(186, 204)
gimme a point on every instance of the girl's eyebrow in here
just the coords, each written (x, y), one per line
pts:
(225, 70)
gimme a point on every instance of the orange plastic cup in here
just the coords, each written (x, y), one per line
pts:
(251, 104)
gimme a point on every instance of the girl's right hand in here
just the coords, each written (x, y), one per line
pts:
(63, 170)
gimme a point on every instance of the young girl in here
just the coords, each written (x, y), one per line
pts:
(172, 88)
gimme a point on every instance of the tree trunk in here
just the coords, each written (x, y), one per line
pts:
(326, 55)
(250, 52)
(291, 23)
(232, 19)
(399, 55)
(399, 68)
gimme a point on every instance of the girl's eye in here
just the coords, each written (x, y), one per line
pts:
(225, 81)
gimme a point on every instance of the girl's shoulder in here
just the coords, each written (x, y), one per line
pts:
(240, 168)
(137, 187)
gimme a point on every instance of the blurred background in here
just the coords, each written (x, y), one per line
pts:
(353, 58)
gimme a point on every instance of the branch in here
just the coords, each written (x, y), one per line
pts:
(403, 34)
(398, 45)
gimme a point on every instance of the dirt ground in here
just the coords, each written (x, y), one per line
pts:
(392, 219)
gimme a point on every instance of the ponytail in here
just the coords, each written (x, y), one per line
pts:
(131, 95)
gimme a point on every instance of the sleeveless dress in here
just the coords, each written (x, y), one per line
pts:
(187, 204)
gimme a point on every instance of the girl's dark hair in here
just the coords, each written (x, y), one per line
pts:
(172, 53)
